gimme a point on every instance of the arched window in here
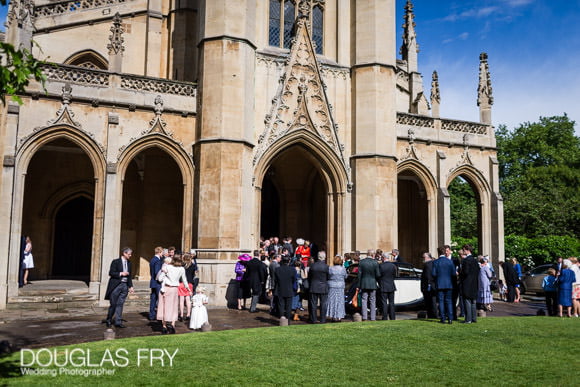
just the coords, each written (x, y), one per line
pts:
(317, 25)
(89, 59)
(283, 14)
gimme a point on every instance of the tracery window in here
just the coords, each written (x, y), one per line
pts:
(283, 14)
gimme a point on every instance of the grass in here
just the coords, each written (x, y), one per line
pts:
(508, 351)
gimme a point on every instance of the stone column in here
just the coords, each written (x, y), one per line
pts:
(153, 42)
(374, 110)
(225, 124)
(497, 252)
(8, 134)
(443, 203)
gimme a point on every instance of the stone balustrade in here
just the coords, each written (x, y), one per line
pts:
(64, 7)
(445, 124)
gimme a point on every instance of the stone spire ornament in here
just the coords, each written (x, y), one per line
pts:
(484, 91)
(20, 23)
(115, 46)
(304, 8)
(435, 96)
(410, 47)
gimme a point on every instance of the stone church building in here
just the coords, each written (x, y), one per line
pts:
(206, 124)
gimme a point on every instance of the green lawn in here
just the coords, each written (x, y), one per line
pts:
(510, 351)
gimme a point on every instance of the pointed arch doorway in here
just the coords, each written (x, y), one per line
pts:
(296, 199)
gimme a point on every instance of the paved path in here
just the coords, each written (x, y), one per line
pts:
(35, 332)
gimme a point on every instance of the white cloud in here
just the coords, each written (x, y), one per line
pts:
(517, 3)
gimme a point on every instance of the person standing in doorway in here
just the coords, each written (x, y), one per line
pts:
(120, 284)
(28, 260)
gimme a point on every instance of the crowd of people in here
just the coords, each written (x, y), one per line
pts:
(285, 277)
(175, 294)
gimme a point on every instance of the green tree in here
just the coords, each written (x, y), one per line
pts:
(540, 177)
(463, 209)
(17, 67)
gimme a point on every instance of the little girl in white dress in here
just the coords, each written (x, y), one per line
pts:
(198, 309)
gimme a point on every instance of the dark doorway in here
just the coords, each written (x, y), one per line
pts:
(413, 218)
(73, 237)
(270, 216)
(294, 198)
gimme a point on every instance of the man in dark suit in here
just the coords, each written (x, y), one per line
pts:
(256, 278)
(154, 268)
(288, 246)
(428, 287)
(445, 275)
(285, 279)
(120, 284)
(469, 284)
(388, 272)
(396, 256)
(318, 279)
(368, 274)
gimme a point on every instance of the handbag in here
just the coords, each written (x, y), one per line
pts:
(305, 284)
(355, 299)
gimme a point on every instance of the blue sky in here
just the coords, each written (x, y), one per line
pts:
(533, 48)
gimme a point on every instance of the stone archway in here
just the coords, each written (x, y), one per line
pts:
(417, 220)
(481, 192)
(58, 172)
(152, 203)
(321, 170)
(294, 198)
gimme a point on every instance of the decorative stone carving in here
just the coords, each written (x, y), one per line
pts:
(9, 161)
(435, 96)
(301, 102)
(156, 85)
(484, 91)
(76, 74)
(53, 9)
(410, 44)
(415, 120)
(157, 124)
(402, 80)
(464, 126)
(116, 39)
(21, 12)
(111, 168)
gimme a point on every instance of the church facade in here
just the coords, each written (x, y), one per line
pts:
(208, 124)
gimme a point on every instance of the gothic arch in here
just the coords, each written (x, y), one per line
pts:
(184, 163)
(89, 59)
(430, 186)
(423, 173)
(332, 173)
(332, 170)
(94, 152)
(64, 195)
(483, 190)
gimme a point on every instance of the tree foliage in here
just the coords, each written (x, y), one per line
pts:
(540, 177)
(463, 209)
(17, 67)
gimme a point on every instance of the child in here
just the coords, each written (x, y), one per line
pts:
(502, 290)
(551, 290)
(162, 272)
(198, 310)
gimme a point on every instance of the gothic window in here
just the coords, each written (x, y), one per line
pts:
(281, 27)
(89, 59)
(317, 24)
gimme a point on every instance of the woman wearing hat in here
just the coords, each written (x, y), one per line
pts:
(241, 279)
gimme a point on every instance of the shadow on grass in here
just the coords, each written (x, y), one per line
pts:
(9, 367)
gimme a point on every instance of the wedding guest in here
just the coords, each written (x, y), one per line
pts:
(335, 302)
(168, 300)
(28, 260)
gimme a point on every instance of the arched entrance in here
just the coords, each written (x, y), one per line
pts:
(294, 198)
(466, 211)
(73, 234)
(413, 217)
(58, 172)
(152, 211)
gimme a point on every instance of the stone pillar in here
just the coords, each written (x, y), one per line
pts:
(153, 42)
(8, 134)
(374, 110)
(224, 197)
(20, 23)
(343, 33)
(497, 252)
(112, 213)
(484, 91)
(443, 203)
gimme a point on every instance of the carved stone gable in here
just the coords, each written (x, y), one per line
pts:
(301, 102)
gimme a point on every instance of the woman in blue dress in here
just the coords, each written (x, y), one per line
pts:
(565, 281)
(518, 269)
(335, 304)
(484, 296)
